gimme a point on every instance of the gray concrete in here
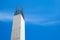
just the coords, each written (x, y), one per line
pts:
(18, 28)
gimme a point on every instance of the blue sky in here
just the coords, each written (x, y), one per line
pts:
(42, 18)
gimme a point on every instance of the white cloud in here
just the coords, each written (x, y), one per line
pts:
(43, 20)
(5, 16)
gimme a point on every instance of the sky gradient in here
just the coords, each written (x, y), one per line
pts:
(42, 18)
